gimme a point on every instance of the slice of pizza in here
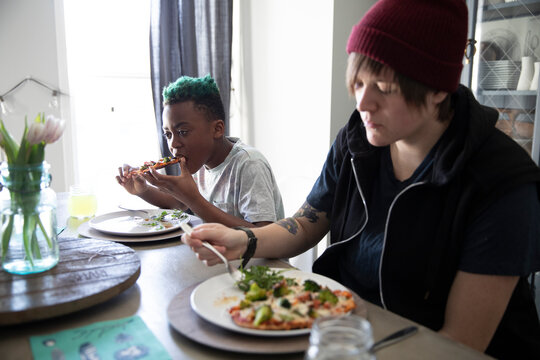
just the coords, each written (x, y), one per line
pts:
(288, 303)
(161, 163)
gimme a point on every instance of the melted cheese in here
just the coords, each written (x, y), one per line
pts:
(299, 309)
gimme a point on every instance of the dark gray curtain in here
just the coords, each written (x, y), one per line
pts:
(193, 38)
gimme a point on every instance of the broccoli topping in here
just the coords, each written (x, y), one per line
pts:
(264, 313)
(245, 304)
(255, 293)
(310, 285)
(326, 295)
(284, 303)
(281, 289)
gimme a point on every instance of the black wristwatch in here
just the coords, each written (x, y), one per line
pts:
(252, 245)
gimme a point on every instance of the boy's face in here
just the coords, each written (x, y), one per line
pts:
(386, 115)
(190, 134)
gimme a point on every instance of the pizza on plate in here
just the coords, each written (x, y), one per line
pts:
(161, 163)
(274, 302)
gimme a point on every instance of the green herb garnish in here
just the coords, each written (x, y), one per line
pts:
(160, 217)
(158, 220)
(262, 275)
(178, 214)
(157, 225)
(174, 215)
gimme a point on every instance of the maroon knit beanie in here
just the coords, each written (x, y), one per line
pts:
(422, 39)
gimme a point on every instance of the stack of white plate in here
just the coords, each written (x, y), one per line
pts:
(499, 74)
(137, 225)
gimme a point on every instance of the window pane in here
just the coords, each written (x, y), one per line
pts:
(111, 96)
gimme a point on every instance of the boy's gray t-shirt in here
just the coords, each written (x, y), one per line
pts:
(243, 185)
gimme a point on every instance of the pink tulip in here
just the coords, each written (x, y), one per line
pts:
(35, 133)
(59, 130)
(54, 128)
(50, 128)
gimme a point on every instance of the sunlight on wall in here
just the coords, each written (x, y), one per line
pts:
(282, 73)
(109, 72)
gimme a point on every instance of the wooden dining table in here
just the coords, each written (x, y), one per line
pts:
(169, 268)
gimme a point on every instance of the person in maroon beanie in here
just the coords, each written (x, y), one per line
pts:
(432, 211)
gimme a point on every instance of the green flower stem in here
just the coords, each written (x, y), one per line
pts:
(49, 242)
(6, 236)
(27, 237)
(36, 253)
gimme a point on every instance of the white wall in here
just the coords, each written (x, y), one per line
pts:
(287, 59)
(291, 96)
(346, 14)
(28, 48)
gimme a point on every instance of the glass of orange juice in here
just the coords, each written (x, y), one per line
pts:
(82, 202)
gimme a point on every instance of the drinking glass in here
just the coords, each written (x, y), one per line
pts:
(340, 337)
(82, 202)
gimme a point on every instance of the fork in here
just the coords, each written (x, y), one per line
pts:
(134, 211)
(233, 272)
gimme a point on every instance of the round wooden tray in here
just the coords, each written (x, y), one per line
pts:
(89, 272)
(189, 324)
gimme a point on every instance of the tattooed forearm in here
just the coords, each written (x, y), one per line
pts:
(308, 212)
(289, 224)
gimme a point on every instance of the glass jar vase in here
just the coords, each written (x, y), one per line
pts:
(29, 241)
(340, 337)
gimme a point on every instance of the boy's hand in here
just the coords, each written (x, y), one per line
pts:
(181, 187)
(134, 184)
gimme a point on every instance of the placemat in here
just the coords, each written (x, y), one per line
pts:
(189, 324)
(89, 272)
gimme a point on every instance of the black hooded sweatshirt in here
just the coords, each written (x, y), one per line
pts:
(474, 164)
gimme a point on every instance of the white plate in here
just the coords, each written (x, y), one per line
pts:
(212, 299)
(86, 231)
(125, 224)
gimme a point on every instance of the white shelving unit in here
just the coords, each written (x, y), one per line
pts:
(503, 32)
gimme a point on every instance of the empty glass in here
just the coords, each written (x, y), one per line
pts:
(340, 337)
